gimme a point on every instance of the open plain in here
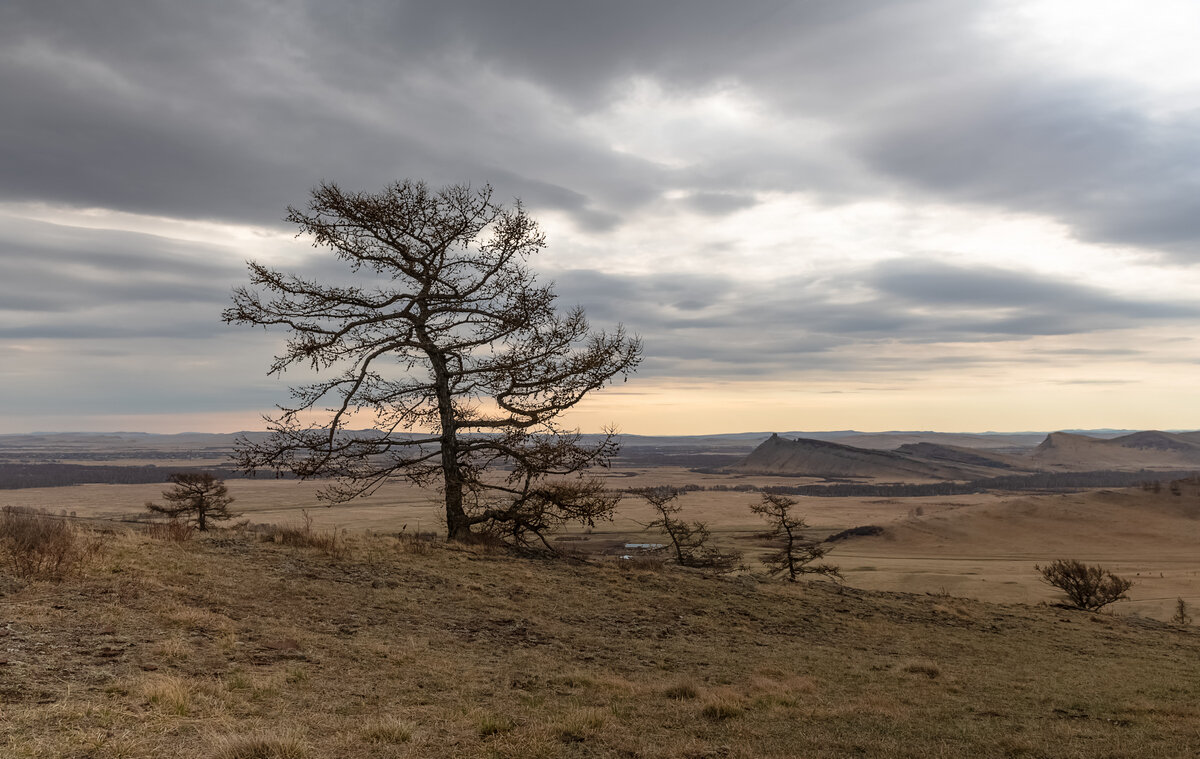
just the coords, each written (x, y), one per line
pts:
(981, 545)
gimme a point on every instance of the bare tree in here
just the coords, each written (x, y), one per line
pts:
(452, 352)
(1088, 587)
(198, 497)
(689, 540)
(795, 555)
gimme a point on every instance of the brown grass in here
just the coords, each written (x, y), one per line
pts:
(172, 530)
(36, 544)
(228, 647)
(331, 542)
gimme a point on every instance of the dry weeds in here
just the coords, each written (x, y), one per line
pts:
(230, 647)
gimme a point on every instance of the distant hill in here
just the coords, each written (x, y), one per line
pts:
(821, 458)
(1058, 452)
(1139, 450)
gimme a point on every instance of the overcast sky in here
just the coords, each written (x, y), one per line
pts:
(818, 215)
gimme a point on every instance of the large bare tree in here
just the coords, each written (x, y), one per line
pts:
(448, 347)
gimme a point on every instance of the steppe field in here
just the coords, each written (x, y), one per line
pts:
(981, 546)
(356, 631)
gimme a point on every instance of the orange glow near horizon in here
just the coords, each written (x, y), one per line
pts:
(686, 408)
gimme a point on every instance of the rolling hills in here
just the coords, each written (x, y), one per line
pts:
(916, 461)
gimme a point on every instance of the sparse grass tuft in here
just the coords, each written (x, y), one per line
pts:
(721, 707)
(493, 724)
(682, 691)
(261, 745)
(170, 694)
(924, 667)
(388, 730)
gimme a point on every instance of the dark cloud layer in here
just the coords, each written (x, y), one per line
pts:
(232, 109)
(780, 327)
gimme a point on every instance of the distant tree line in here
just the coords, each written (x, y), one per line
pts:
(1051, 481)
(14, 476)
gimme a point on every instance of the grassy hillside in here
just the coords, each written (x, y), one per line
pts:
(234, 647)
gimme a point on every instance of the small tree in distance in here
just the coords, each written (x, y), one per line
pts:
(442, 340)
(1088, 587)
(689, 540)
(197, 497)
(796, 555)
(1182, 616)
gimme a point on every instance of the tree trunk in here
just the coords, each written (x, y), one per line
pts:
(457, 525)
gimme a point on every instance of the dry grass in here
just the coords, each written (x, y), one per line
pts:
(228, 646)
(35, 543)
(259, 745)
(172, 530)
(331, 542)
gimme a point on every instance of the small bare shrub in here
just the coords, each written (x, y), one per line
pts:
(37, 544)
(173, 531)
(1088, 587)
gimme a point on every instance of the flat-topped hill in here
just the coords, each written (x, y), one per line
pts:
(914, 461)
(1150, 449)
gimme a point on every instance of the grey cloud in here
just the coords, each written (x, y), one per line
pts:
(1062, 148)
(232, 110)
(65, 282)
(806, 324)
(719, 203)
(931, 282)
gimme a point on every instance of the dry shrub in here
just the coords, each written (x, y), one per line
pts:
(413, 544)
(1088, 587)
(332, 543)
(172, 531)
(262, 745)
(37, 544)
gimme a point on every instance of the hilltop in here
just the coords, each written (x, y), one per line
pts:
(926, 460)
(1149, 449)
(378, 647)
(909, 462)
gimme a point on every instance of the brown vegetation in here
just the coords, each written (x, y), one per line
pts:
(36, 544)
(231, 647)
(1090, 588)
